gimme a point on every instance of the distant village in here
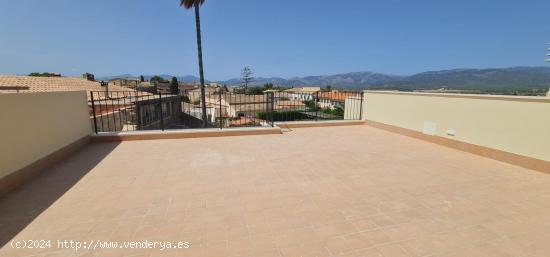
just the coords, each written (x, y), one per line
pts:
(136, 103)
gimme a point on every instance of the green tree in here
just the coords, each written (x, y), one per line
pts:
(156, 78)
(185, 99)
(141, 78)
(174, 89)
(268, 86)
(328, 88)
(246, 77)
(255, 91)
(337, 111)
(187, 4)
(311, 105)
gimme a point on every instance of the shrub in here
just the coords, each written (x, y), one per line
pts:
(284, 116)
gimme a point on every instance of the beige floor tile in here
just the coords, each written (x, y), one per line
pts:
(338, 245)
(359, 241)
(348, 191)
(376, 237)
(393, 250)
(371, 252)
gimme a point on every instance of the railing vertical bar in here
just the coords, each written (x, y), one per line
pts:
(116, 107)
(93, 111)
(101, 112)
(119, 111)
(272, 109)
(125, 111)
(161, 113)
(240, 108)
(220, 110)
(114, 114)
(361, 106)
(267, 116)
(136, 111)
(107, 110)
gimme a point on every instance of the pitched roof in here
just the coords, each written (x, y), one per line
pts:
(28, 84)
(304, 90)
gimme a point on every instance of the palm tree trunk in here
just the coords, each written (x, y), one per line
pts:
(201, 72)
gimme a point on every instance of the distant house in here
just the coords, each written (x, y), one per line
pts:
(241, 105)
(210, 91)
(184, 88)
(195, 110)
(214, 84)
(308, 90)
(288, 105)
(231, 108)
(29, 84)
(136, 113)
(163, 87)
(302, 93)
(125, 82)
(107, 106)
(150, 112)
(144, 85)
(334, 99)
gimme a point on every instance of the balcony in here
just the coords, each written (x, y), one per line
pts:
(356, 190)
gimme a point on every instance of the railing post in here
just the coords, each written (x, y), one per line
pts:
(161, 114)
(93, 111)
(361, 106)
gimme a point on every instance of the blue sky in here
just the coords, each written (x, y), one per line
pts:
(276, 38)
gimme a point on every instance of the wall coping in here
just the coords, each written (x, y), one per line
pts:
(536, 99)
(182, 133)
(324, 123)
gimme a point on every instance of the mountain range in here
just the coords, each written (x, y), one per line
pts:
(516, 78)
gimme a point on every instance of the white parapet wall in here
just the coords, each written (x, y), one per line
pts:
(518, 125)
(35, 125)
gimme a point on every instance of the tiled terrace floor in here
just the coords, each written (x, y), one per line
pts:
(337, 191)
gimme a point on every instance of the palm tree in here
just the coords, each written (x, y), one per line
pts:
(187, 4)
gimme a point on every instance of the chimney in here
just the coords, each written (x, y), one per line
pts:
(88, 76)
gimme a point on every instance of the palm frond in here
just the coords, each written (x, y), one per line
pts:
(187, 4)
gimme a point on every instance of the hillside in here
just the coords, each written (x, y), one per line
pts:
(519, 78)
(505, 80)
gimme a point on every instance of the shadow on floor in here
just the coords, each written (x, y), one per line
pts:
(21, 206)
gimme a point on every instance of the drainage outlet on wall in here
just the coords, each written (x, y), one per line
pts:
(451, 132)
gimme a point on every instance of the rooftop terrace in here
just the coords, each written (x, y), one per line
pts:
(333, 191)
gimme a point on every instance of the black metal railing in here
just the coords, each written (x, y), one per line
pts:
(115, 111)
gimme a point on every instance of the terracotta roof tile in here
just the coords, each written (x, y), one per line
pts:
(28, 84)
